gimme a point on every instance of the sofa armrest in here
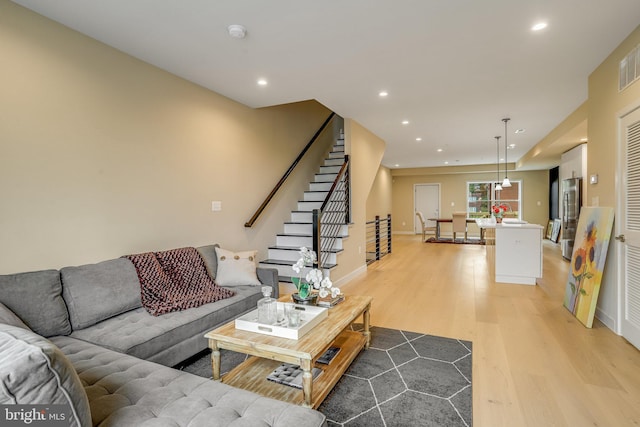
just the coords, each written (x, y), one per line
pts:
(269, 277)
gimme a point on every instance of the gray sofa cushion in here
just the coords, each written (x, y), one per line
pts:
(208, 254)
(34, 371)
(145, 336)
(95, 292)
(8, 317)
(36, 297)
(126, 391)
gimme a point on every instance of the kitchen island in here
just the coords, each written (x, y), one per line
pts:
(514, 251)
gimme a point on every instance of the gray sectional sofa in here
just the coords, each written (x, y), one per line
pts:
(79, 337)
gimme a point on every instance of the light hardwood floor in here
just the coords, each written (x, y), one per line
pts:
(534, 364)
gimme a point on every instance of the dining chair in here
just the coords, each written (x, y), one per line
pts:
(424, 228)
(459, 224)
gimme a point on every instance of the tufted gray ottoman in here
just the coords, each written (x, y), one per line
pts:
(127, 391)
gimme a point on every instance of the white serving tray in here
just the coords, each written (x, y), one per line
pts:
(310, 316)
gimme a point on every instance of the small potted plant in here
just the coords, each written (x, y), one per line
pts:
(314, 280)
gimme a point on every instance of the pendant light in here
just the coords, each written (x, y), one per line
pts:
(498, 187)
(506, 183)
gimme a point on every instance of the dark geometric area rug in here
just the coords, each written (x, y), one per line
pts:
(403, 379)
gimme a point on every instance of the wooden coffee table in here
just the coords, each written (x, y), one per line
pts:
(269, 352)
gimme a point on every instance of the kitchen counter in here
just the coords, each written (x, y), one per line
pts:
(514, 251)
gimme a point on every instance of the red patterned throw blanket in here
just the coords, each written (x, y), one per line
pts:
(175, 280)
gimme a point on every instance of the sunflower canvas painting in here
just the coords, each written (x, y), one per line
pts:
(587, 262)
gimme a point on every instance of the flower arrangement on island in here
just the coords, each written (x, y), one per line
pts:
(498, 210)
(314, 278)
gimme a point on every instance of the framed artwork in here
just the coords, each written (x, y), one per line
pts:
(587, 262)
(549, 229)
(555, 230)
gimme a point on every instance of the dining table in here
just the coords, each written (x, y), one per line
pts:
(439, 221)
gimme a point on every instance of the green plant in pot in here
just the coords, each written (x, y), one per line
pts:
(313, 280)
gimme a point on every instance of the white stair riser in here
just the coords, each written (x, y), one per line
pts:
(315, 196)
(296, 228)
(297, 241)
(286, 270)
(307, 217)
(320, 186)
(301, 217)
(337, 155)
(300, 241)
(330, 169)
(334, 162)
(289, 255)
(283, 254)
(309, 206)
(329, 177)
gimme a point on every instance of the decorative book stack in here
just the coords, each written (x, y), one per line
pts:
(330, 302)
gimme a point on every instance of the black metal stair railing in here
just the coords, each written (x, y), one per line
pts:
(378, 234)
(333, 215)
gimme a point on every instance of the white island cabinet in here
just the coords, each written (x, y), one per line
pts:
(516, 252)
(519, 254)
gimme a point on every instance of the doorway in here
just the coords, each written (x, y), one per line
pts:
(426, 199)
(628, 226)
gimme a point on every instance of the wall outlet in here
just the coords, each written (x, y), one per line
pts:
(216, 206)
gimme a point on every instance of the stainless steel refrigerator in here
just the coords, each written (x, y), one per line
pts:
(571, 202)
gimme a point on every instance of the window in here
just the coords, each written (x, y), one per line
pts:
(482, 195)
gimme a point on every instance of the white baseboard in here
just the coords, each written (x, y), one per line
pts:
(345, 279)
(608, 321)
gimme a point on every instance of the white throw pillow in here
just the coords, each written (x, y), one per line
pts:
(236, 268)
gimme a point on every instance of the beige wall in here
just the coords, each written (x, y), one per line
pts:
(606, 105)
(379, 200)
(366, 151)
(104, 155)
(453, 189)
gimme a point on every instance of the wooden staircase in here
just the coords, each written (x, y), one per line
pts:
(298, 232)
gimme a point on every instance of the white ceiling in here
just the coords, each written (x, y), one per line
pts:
(453, 68)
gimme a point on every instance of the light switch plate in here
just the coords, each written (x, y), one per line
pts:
(593, 179)
(216, 206)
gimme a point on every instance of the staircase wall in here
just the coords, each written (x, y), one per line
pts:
(366, 150)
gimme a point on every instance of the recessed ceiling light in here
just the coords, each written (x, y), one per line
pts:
(405, 122)
(418, 139)
(383, 93)
(446, 163)
(397, 165)
(262, 82)
(520, 130)
(439, 150)
(539, 26)
(512, 146)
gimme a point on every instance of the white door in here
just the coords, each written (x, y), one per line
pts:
(629, 227)
(426, 200)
